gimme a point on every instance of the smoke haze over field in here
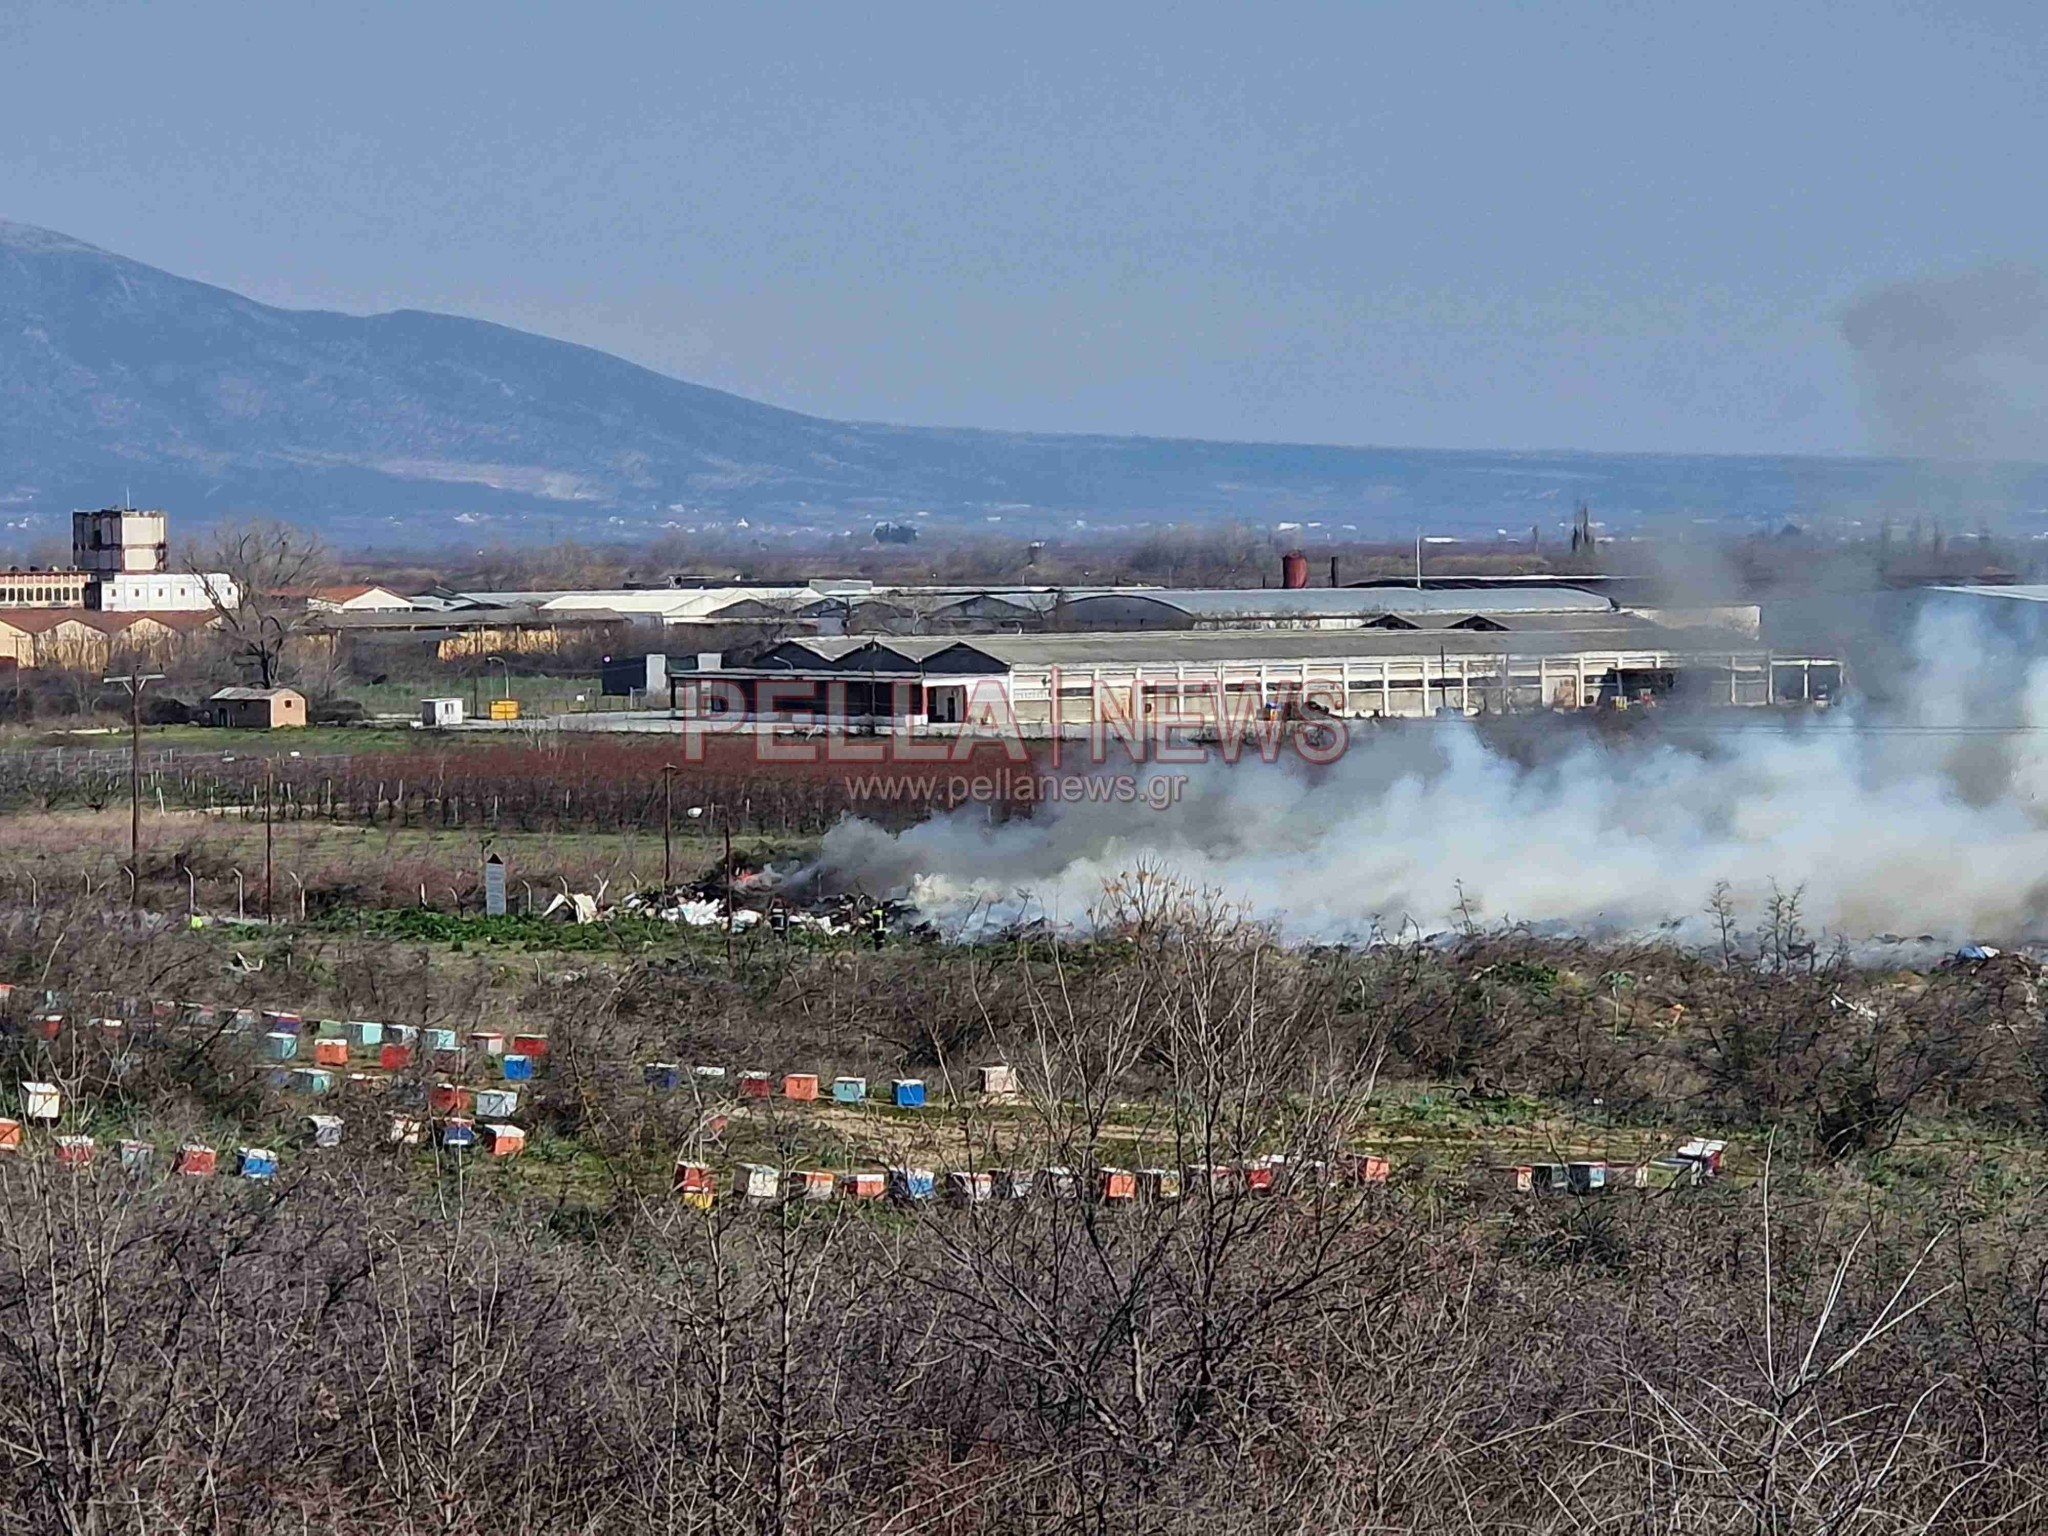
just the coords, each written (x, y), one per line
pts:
(1924, 821)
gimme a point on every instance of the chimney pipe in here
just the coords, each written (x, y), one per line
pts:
(1293, 570)
(1333, 572)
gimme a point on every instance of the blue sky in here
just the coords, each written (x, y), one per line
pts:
(1608, 226)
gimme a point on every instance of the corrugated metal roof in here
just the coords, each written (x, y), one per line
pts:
(248, 695)
(2019, 594)
(1352, 602)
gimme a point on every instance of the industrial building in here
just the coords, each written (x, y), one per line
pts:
(120, 563)
(1053, 681)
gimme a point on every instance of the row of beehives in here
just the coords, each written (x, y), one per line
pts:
(997, 1083)
(762, 1183)
(1692, 1163)
(43, 1104)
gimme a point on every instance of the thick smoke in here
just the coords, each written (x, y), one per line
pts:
(1927, 821)
(1956, 368)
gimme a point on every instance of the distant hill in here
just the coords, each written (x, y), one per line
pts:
(118, 377)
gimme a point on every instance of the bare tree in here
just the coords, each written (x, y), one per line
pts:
(272, 568)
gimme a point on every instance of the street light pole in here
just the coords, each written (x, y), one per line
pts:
(668, 818)
(134, 683)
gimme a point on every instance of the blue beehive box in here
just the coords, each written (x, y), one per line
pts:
(365, 1032)
(439, 1039)
(311, 1080)
(908, 1092)
(517, 1068)
(912, 1183)
(256, 1163)
(849, 1090)
(281, 1045)
(662, 1076)
(458, 1134)
(401, 1034)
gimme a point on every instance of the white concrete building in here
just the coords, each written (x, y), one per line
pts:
(162, 592)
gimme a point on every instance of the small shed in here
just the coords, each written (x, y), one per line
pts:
(257, 709)
(439, 712)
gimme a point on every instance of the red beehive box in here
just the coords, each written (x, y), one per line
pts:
(754, 1085)
(694, 1178)
(863, 1186)
(1258, 1178)
(47, 1025)
(196, 1160)
(394, 1058)
(1116, 1185)
(74, 1151)
(449, 1099)
(10, 1135)
(815, 1184)
(1370, 1168)
(802, 1086)
(505, 1140)
(450, 1058)
(529, 1045)
(330, 1053)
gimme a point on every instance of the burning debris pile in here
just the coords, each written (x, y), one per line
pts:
(747, 898)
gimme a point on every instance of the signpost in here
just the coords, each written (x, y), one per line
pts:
(494, 886)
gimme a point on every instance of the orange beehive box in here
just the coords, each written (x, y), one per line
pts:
(1370, 1168)
(330, 1053)
(393, 1057)
(814, 1184)
(863, 1186)
(10, 1135)
(506, 1140)
(802, 1086)
(695, 1183)
(1116, 1185)
(449, 1099)
(196, 1160)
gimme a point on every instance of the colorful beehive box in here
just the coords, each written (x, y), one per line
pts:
(110, 1028)
(272, 1019)
(695, 1179)
(41, 1101)
(1667, 1173)
(330, 1053)
(489, 1041)
(708, 1076)
(162, 1010)
(1519, 1177)
(10, 1135)
(329, 1029)
(1585, 1178)
(311, 1080)
(1708, 1154)
(1014, 1183)
(402, 1034)
(406, 1131)
(439, 1039)
(912, 1184)
(756, 1181)
(256, 1162)
(662, 1076)
(966, 1187)
(1159, 1184)
(756, 1085)
(197, 1162)
(136, 1156)
(46, 1025)
(814, 1185)
(452, 1058)
(1058, 1183)
(365, 1033)
(800, 1086)
(202, 1017)
(504, 1140)
(323, 1130)
(1369, 1168)
(999, 1082)
(497, 1103)
(281, 1045)
(849, 1090)
(530, 1045)
(516, 1068)
(1256, 1178)
(247, 1020)
(74, 1151)
(393, 1057)
(907, 1093)
(863, 1186)
(1116, 1186)
(450, 1099)
(458, 1135)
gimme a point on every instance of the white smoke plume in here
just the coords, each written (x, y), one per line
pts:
(1930, 820)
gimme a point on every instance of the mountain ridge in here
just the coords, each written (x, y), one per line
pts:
(116, 374)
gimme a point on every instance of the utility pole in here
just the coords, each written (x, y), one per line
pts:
(726, 822)
(668, 820)
(134, 682)
(269, 797)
